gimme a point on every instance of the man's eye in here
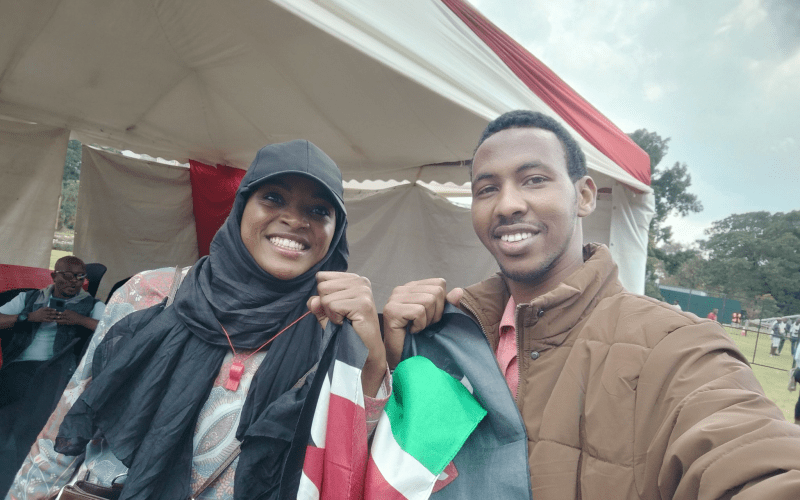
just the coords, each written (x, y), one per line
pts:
(536, 179)
(484, 190)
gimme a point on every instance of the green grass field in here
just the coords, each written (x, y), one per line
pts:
(774, 381)
(55, 255)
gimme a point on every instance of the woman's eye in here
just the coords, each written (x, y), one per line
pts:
(321, 211)
(273, 197)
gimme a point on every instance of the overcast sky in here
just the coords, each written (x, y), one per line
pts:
(721, 78)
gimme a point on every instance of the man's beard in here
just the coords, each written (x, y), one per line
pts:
(528, 277)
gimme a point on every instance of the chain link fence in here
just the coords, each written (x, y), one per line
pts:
(749, 318)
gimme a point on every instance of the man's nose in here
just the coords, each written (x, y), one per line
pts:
(510, 202)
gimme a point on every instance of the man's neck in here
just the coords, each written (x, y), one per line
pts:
(525, 292)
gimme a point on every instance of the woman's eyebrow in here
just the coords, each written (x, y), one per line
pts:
(322, 195)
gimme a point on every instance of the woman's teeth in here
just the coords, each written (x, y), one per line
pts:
(516, 237)
(287, 243)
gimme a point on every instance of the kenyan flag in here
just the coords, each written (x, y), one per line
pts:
(425, 423)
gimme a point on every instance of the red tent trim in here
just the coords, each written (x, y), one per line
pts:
(575, 110)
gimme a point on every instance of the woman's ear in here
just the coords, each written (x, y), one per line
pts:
(587, 195)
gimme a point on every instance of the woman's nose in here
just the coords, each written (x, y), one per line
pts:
(294, 216)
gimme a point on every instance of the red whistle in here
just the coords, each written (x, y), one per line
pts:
(234, 376)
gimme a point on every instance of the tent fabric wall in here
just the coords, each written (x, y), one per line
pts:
(32, 162)
(408, 233)
(630, 223)
(133, 215)
(396, 235)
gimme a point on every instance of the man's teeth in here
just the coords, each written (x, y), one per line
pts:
(287, 243)
(516, 237)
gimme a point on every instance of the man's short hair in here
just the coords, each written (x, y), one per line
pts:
(69, 260)
(523, 118)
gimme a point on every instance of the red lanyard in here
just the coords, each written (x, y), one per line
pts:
(237, 367)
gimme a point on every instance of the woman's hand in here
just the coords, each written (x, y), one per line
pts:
(419, 304)
(347, 295)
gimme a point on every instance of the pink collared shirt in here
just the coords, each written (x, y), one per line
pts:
(507, 347)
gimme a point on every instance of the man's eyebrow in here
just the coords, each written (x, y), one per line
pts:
(525, 166)
(482, 177)
(530, 165)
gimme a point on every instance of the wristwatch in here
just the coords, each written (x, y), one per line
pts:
(22, 318)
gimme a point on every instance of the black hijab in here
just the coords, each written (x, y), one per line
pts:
(155, 368)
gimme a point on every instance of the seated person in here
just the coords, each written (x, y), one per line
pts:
(42, 332)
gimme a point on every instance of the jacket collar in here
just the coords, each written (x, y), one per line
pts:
(547, 319)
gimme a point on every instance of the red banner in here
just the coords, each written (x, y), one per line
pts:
(213, 191)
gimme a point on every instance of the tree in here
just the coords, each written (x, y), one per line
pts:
(69, 186)
(670, 189)
(757, 254)
(670, 186)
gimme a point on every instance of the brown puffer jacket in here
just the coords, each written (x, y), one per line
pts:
(624, 397)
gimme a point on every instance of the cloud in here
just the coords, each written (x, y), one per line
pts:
(687, 230)
(748, 14)
(785, 145)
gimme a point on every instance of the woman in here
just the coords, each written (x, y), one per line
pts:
(165, 379)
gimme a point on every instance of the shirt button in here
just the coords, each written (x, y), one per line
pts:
(540, 313)
(535, 355)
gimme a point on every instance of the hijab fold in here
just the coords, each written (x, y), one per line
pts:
(156, 367)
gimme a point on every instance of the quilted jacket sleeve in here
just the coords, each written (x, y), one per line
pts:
(705, 429)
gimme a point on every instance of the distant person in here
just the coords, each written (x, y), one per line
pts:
(794, 336)
(43, 332)
(778, 336)
(676, 305)
(796, 362)
(712, 315)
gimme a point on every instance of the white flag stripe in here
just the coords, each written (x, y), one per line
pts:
(465, 382)
(347, 383)
(320, 423)
(307, 490)
(401, 470)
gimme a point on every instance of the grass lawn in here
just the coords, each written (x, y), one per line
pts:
(774, 381)
(55, 255)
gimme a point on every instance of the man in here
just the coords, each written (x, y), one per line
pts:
(778, 337)
(43, 332)
(622, 396)
(712, 315)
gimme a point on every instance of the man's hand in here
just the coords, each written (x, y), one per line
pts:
(347, 295)
(43, 315)
(67, 317)
(420, 304)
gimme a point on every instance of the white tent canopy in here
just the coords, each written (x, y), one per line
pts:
(391, 90)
